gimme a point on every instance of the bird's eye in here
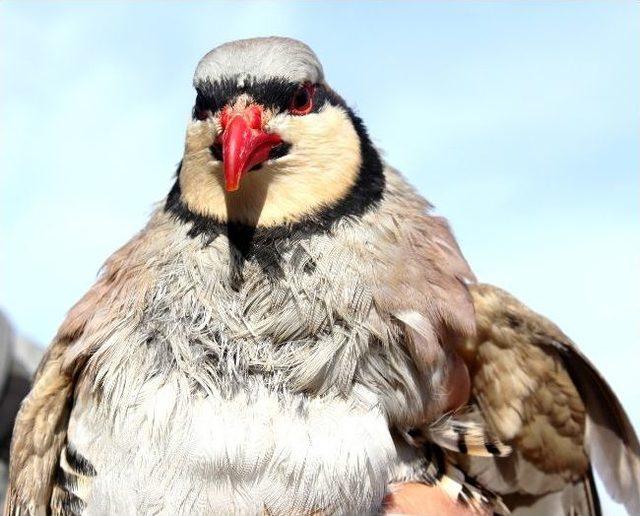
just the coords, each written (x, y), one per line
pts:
(201, 114)
(302, 100)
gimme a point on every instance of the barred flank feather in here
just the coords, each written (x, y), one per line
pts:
(466, 491)
(71, 483)
(443, 473)
(466, 437)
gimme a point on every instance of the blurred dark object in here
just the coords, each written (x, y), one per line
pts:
(18, 361)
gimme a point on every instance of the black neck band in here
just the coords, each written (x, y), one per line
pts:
(365, 194)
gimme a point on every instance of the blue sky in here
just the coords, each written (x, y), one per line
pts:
(518, 120)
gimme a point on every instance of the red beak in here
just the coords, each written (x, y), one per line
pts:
(245, 144)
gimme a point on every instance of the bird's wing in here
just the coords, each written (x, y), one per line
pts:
(544, 397)
(39, 435)
(40, 430)
(579, 498)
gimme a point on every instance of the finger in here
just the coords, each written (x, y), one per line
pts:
(422, 500)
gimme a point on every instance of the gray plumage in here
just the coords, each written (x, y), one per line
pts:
(279, 394)
(196, 377)
(260, 58)
(283, 348)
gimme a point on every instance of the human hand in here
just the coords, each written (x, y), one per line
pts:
(420, 499)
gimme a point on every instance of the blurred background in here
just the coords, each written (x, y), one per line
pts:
(519, 120)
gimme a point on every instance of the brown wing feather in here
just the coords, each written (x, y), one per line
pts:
(541, 395)
(580, 498)
(39, 435)
(611, 441)
(41, 424)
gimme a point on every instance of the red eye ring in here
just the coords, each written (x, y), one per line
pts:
(302, 100)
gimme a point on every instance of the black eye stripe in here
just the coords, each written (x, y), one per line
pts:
(275, 94)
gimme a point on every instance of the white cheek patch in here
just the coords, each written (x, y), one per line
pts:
(217, 126)
(329, 128)
(320, 168)
(280, 124)
(201, 134)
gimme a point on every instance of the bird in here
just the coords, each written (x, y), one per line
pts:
(279, 338)
(538, 393)
(271, 340)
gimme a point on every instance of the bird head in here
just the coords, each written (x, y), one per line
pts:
(269, 141)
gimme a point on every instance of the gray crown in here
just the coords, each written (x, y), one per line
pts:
(262, 58)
